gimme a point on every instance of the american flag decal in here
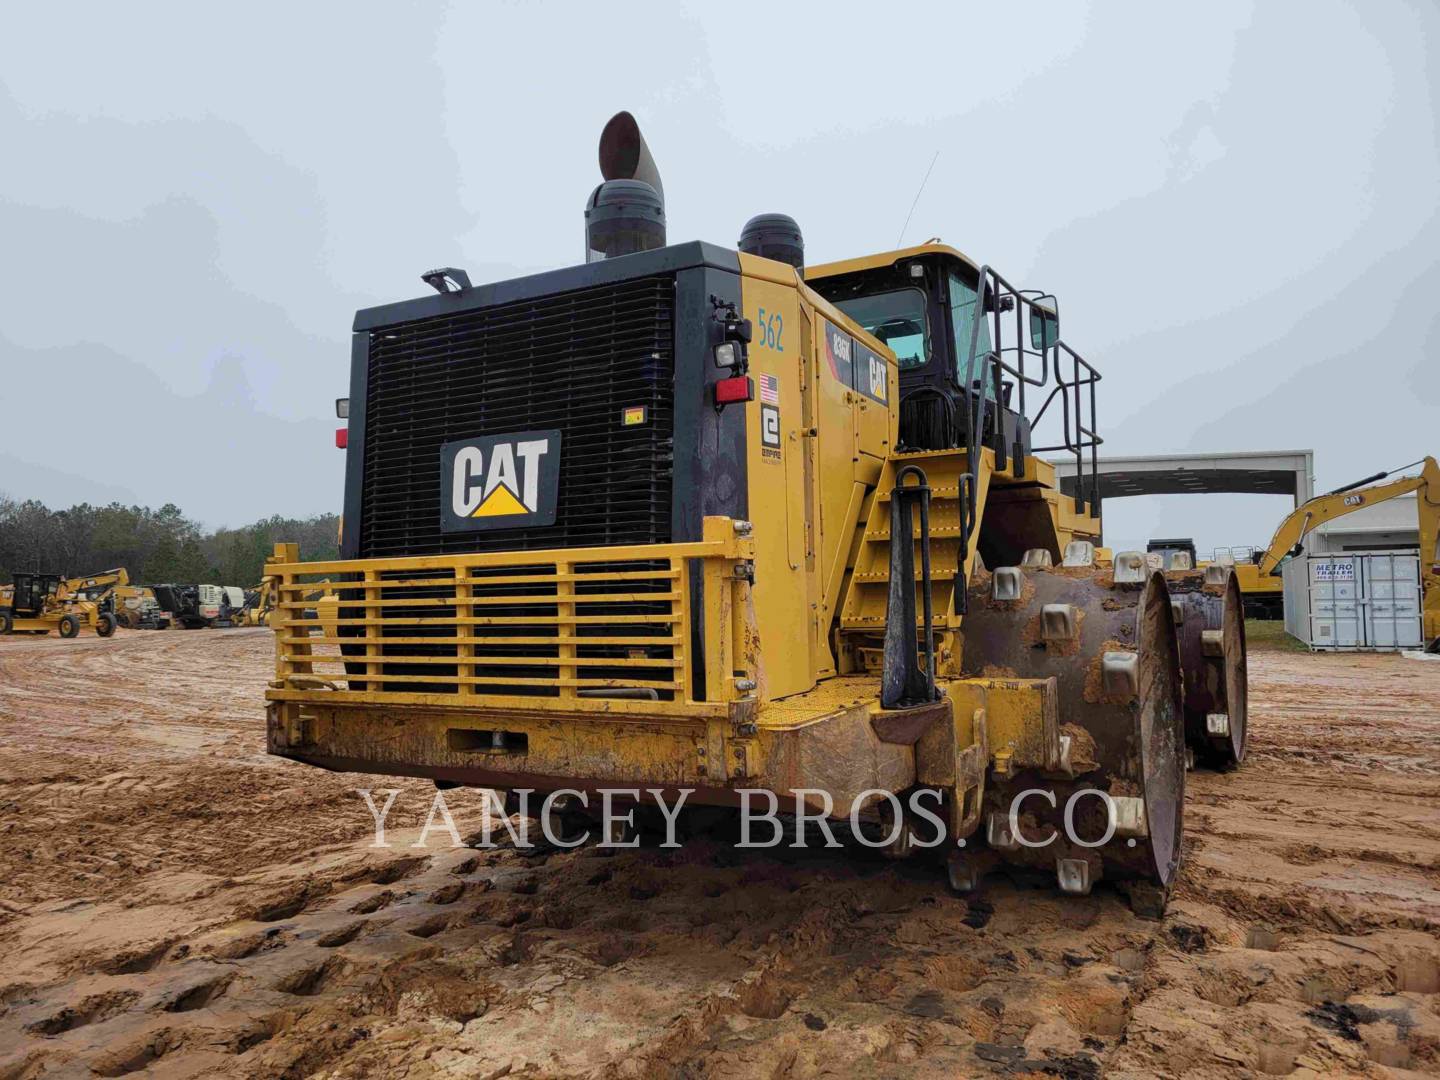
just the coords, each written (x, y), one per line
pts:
(770, 389)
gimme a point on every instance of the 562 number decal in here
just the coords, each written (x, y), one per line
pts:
(768, 330)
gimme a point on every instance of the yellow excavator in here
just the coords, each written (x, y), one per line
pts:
(711, 524)
(1289, 538)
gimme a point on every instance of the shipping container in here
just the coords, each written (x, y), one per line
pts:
(1363, 600)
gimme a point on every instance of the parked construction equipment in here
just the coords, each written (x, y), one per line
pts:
(687, 517)
(196, 607)
(134, 606)
(1264, 594)
(1289, 538)
(39, 603)
(137, 608)
(260, 602)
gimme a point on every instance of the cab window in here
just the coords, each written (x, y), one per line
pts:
(898, 319)
(964, 311)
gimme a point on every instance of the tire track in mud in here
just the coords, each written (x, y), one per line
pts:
(173, 900)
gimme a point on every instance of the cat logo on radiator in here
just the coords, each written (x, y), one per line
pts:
(499, 481)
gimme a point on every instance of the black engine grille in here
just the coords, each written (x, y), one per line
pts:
(573, 361)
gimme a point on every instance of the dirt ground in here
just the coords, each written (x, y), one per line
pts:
(173, 900)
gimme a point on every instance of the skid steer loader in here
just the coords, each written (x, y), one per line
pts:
(691, 519)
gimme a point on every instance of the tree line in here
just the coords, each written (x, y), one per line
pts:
(153, 545)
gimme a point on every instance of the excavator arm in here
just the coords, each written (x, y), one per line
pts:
(1290, 536)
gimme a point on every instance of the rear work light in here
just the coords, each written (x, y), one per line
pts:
(734, 390)
(342, 438)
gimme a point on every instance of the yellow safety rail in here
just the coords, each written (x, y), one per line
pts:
(547, 630)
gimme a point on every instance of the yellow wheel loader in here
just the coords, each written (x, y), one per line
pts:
(695, 522)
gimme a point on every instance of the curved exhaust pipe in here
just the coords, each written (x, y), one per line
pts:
(625, 214)
(624, 155)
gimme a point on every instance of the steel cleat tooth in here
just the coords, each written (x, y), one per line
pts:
(1215, 574)
(1007, 583)
(1131, 568)
(1155, 560)
(1180, 560)
(617, 831)
(903, 846)
(1189, 759)
(1037, 557)
(1073, 876)
(1063, 763)
(963, 872)
(1059, 622)
(1212, 642)
(1121, 671)
(1177, 609)
(1004, 764)
(1130, 819)
(1217, 724)
(1079, 553)
(998, 834)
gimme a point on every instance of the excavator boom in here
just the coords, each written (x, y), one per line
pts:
(1303, 520)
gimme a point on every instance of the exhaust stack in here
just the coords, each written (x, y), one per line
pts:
(624, 155)
(774, 236)
(626, 213)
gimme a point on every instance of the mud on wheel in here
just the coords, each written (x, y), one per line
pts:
(1118, 797)
(1210, 623)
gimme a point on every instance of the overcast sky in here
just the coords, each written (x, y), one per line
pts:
(1236, 204)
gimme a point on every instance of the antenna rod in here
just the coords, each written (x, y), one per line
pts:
(917, 198)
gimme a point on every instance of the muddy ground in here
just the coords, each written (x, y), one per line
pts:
(173, 900)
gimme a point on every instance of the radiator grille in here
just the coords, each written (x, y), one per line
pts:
(574, 362)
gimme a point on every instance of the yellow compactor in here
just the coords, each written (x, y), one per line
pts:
(687, 517)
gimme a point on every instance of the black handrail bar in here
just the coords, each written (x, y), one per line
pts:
(1076, 392)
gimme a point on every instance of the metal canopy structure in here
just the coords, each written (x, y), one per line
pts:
(1259, 472)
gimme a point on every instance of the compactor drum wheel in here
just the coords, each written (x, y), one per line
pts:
(6, 622)
(105, 624)
(1210, 624)
(1112, 651)
(69, 626)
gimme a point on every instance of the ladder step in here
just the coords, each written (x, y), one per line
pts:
(861, 622)
(879, 575)
(937, 493)
(935, 530)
